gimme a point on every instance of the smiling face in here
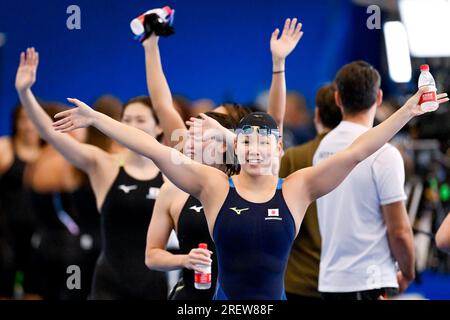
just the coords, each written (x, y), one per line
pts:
(257, 153)
(140, 116)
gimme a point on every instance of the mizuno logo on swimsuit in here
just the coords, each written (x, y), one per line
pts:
(197, 209)
(238, 211)
(127, 189)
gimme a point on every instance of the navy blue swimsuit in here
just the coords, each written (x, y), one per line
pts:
(253, 242)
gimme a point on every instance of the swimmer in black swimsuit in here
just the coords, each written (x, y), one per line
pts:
(103, 169)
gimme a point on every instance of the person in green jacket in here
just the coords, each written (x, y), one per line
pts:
(302, 273)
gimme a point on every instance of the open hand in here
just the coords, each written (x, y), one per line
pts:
(80, 117)
(290, 36)
(26, 73)
(204, 122)
(413, 103)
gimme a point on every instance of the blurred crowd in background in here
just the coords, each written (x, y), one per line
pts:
(424, 144)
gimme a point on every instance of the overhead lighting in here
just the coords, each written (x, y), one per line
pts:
(427, 24)
(397, 51)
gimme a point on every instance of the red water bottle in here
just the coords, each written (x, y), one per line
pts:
(202, 279)
(428, 100)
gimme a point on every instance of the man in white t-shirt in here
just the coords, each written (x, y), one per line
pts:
(363, 223)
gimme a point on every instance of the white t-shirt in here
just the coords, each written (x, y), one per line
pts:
(355, 250)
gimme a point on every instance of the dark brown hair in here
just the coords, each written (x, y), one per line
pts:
(329, 113)
(183, 106)
(14, 123)
(358, 84)
(15, 119)
(235, 113)
(145, 100)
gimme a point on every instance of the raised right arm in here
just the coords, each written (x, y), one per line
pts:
(280, 49)
(80, 155)
(191, 177)
(159, 91)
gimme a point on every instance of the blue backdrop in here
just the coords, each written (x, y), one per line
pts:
(220, 50)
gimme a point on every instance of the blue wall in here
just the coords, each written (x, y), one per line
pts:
(220, 50)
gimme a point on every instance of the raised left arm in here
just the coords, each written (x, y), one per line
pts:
(329, 173)
(280, 49)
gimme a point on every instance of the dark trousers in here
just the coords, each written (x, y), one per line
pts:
(360, 295)
(298, 297)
